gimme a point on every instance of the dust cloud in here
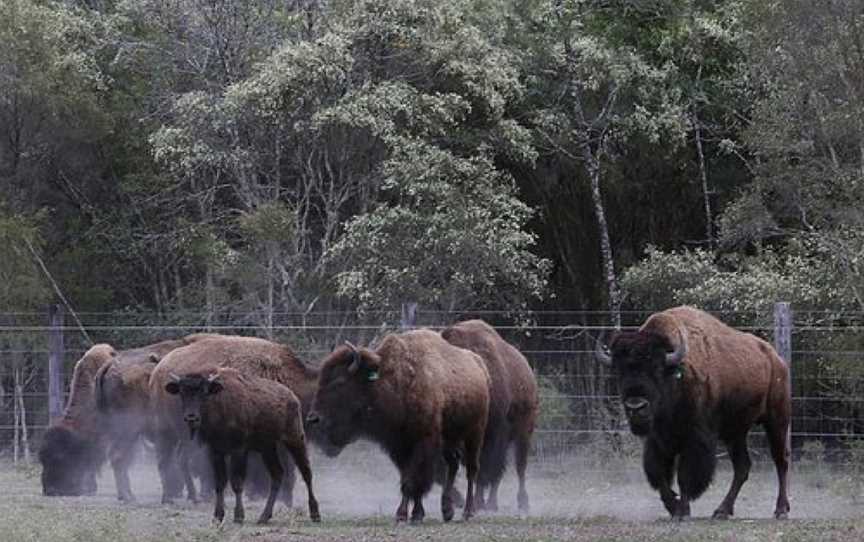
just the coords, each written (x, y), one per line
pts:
(363, 483)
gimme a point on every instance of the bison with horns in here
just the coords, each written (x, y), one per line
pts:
(688, 380)
(420, 398)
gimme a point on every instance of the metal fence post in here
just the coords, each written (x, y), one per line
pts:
(783, 345)
(55, 362)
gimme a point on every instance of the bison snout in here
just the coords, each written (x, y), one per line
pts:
(312, 418)
(192, 419)
(635, 404)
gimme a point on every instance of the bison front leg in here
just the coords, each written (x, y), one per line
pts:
(239, 461)
(220, 480)
(417, 476)
(166, 455)
(659, 467)
(696, 466)
(121, 455)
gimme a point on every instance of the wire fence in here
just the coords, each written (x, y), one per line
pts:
(580, 410)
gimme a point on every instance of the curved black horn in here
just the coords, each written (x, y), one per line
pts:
(212, 377)
(356, 359)
(674, 359)
(601, 353)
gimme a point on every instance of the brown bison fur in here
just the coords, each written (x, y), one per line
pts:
(234, 414)
(73, 448)
(687, 380)
(252, 356)
(420, 398)
(513, 406)
(122, 397)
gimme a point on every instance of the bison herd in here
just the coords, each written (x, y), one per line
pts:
(241, 410)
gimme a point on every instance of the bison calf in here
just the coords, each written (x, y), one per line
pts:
(233, 414)
(688, 380)
(421, 398)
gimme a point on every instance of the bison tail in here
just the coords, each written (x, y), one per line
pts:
(101, 394)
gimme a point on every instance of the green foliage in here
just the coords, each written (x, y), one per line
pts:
(22, 283)
(451, 237)
(435, 151)
(694, 277)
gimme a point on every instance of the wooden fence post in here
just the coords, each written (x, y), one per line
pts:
(783, 345)
(55, 362)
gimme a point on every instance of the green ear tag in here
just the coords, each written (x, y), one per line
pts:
(679, 372)
(372, 376)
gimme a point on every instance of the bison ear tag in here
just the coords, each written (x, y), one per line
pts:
(372, 376)
(679, 372)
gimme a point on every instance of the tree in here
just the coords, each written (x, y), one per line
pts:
(606, 92)
(320, 131)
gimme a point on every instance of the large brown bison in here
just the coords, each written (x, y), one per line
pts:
(512, 408)
(106, 410)
(122, 398)
(687, 380)
(251, 356)
(420, 398)
(234, 414)
(73, 448)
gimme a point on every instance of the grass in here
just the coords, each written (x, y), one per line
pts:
(568, 505)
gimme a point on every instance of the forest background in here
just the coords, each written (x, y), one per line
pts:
(189, 157)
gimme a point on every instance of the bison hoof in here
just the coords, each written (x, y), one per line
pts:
(781, 515)
(722, 514)
(524, 505)
(447, 513)
(263, 519)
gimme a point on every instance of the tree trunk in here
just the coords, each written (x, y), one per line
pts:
(271, 269)
(209, 293)
(592, 165)
(703, 176)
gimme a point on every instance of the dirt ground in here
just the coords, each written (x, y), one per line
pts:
(358, 494)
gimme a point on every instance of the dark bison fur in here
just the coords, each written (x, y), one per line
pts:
(418, 396)
(689, 382)
(513, 407)
(70, 462)
(74, 447)
(234, 414)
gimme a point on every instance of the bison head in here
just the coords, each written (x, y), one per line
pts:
(193, 390)
(649, 371)
(345, 396)
(70, 462)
